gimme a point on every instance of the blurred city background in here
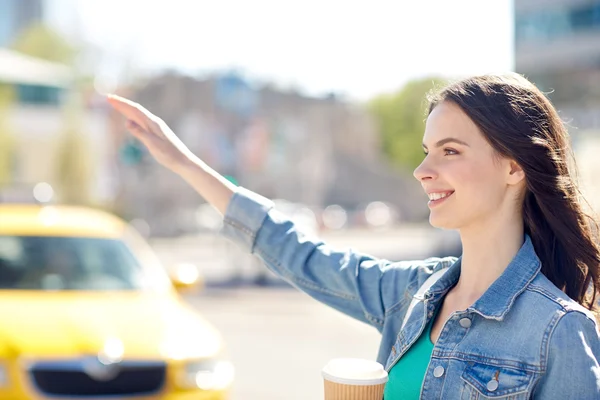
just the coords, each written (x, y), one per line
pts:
(319, 106)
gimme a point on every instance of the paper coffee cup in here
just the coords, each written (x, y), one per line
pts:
(354, 379)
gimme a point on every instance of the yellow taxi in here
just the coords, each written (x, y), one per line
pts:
(88, 312)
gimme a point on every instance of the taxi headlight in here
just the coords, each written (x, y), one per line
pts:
(208, 374)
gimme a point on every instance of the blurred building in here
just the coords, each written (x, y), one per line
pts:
(314, 151)
(16, 15)
(35, 120)
(557, 45)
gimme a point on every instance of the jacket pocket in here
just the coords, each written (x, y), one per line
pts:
(484, 381)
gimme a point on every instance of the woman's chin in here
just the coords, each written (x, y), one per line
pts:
(442, 223)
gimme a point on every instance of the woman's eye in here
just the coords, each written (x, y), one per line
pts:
(450, 152)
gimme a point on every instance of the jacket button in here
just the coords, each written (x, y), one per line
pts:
(438, 371)
(492, 385)
(465, 322)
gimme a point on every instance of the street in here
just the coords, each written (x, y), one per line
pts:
(279, 339)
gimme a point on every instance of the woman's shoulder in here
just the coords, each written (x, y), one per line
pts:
(558, 302)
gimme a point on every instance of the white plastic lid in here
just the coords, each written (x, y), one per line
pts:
(354, 371)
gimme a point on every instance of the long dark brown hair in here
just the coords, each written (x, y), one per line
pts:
(520, 123)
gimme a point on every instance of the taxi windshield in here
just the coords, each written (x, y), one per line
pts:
(68, 263)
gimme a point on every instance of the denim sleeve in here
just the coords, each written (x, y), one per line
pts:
(346, 280)
(573, 355)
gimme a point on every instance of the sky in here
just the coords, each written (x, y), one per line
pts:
(356, 48)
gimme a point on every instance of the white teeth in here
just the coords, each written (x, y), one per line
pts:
(437, 196)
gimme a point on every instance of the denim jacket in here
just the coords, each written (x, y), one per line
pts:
(523, 338)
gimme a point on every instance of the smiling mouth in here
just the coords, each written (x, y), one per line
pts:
(439, 198)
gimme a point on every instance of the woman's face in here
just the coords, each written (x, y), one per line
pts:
(464, 178)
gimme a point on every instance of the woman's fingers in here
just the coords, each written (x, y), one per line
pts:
(131, 110)
(160, 141)
(134, 128)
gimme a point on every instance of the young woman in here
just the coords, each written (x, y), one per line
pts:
(513, 318)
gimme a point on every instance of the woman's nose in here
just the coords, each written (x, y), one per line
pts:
(424, 171)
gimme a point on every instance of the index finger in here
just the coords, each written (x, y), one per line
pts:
(130, 110)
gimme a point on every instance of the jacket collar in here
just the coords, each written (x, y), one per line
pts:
(499, 297)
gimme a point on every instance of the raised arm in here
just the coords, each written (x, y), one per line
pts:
(343, 279)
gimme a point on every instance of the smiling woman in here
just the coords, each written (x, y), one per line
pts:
(514, 316)
(524, 137)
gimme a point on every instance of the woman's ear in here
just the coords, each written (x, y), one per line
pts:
(516, 174)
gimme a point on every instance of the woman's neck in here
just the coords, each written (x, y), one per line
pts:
(487, 250)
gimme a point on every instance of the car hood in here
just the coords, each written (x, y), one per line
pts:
(71, 324)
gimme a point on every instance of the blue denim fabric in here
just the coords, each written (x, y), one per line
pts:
(524, 337)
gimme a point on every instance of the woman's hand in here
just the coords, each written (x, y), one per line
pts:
(168, 150)
(153, 132)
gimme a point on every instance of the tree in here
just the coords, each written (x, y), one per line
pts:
(73, 168)
(41, 41)
(7, 140)
(401, 119)
(74, 163)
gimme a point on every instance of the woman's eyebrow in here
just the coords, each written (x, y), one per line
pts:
(448, 140)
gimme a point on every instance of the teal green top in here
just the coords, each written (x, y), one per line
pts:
(406, 377)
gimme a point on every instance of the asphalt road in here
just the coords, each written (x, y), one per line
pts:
(279, 339)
